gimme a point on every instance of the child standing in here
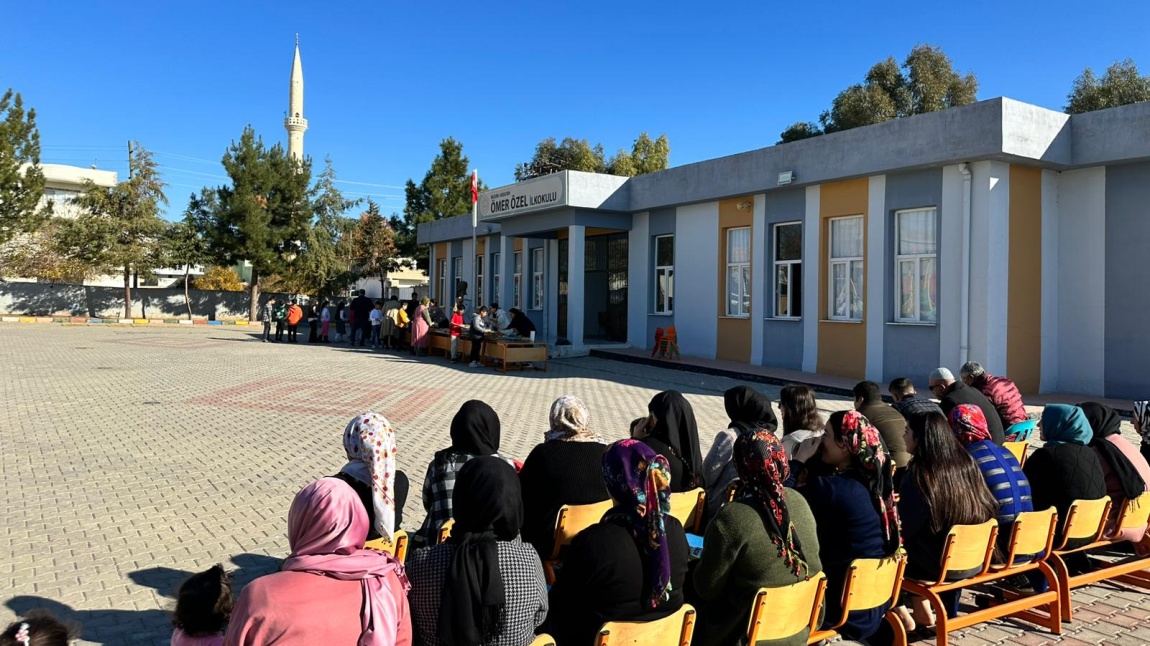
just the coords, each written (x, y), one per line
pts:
(456, 330)
(340, 321)
(376, 317)
(203, 608)
(37, 628)
(325, 322)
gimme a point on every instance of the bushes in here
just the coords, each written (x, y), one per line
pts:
(222, 279)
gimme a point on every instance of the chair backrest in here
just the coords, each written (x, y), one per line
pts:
(671, 334)
(1017, 449)
(396, 547)
(1022, 430)
(871, 583)
(673, 630)
(688, 507)
(784, 612)
(543, 640)
(1032, 535)
(969, 547)
(444, 531)
(733, 490)
(1135, 513)
(1085, 520)
(573, 519)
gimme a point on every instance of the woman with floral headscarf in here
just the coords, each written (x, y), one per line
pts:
(369, 442)
(1065, 469)
(767, 539)
(854, 509)
(566, 469)
(633, 564)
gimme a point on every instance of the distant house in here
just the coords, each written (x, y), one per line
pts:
(405, 280)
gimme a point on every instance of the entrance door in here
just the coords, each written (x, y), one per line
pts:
(605, 288)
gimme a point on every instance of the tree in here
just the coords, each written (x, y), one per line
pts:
(1121, 84)
(217, 279)
(43, 255)
(119, 229)
(324, 263)
(444, 192)
(649, 156)
(373, 242)
(263, 217)
(925, 82)
(571, 154)
(185, 246)
(21, 179)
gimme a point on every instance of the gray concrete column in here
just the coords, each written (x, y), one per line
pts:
(576, 251)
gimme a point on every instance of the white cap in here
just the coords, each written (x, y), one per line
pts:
(942, 374)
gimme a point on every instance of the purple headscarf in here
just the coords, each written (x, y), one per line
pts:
(639, 481)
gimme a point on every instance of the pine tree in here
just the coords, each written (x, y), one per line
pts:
(21, 179)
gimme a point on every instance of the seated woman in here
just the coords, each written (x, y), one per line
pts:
(749, 411)
(1142, 426)
(371, 470)
(520, 324)
(854, 509)
(330, 590)
(632, 565)
(1124, 470)
(942, 488)
(474, 433)
(765, 540)
(1065, 469)
(670, 430)
(566, 469)
(801, 419)
(1000, 469)
(483, 586)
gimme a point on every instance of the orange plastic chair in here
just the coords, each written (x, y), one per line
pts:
(396, 547)
(688, 507)
(658, 347)
(733, 490)
(671, 340)
(571, 520)
(672, 630)
(870, 583)
(444, 531)
(793, 609)
(1018, 450)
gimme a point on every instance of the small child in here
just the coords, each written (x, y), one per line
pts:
(456, 330)
(203, 608)
(376, 317)
(37, 628)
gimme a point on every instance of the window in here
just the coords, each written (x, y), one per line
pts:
(915, 261)
(478, 280)
(517, 280)
(739, 271)
(441, 274)
(537, 278)
(458, 261)
(789, 270)
(846, 271)
(496, 272)
(664, 274)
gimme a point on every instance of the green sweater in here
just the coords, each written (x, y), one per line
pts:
(739, 558)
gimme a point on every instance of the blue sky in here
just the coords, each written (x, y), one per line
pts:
(385, 81)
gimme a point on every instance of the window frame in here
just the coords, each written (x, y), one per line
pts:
(479, 281)
(517, 279)
(538, 295)
(458, 260)
(846, 261)
(917, 258)
(668, 295)
(745, 295)
(441, 269)
(776, 263)
(496, 272)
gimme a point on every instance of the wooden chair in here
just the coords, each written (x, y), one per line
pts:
(543, 640)
(396, 547)
(971, 547)
(870, 583)
(444, 531)
(1087, 520)
(733, 490)
(672, 630)
(793, 608)
(688, 507)
(571, 520)
(1018, 450)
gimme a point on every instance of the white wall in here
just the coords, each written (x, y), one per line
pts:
(989, 264)
(697, 278)
(638, 277)
(1082, 281)
(950, 268)
(877, 289)
(812, 265)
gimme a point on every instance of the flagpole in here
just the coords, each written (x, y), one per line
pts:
(474, 244)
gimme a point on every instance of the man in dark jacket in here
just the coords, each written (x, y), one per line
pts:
(907, 401)
(361, 307)
(952, 393)
(999, 390)
(890, 424)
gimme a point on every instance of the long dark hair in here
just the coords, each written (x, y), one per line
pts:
(947, 475)
(800, 411)
(205, 603)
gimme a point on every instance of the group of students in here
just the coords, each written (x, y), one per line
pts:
(819, 497)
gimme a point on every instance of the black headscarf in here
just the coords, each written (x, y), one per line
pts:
(675, 425)
(488, 507)
(749, 410)
(1105, 421)
(474, 430)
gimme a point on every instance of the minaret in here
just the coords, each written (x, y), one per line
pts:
(295, 123)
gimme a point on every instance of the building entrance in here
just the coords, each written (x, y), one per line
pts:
(604, 298)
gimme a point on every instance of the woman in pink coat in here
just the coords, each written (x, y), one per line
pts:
(1126, 471)
(420, 328)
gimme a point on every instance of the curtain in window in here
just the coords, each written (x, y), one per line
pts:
(739, 245)
(916, 232)
(847, 238)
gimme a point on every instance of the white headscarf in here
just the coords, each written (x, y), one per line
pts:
(370, 444)
(569, 421)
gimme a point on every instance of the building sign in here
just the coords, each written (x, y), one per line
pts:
(536, 194)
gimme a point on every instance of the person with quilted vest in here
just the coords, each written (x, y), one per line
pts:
(999, 390)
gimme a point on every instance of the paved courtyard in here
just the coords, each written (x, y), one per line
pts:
(133, 457)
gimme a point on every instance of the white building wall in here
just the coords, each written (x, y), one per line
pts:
(950, 268)
(697, 278)
(760, 256)
(989, 264)
(1081, 270)
(877, 289)
(812, 265)
(638, 278)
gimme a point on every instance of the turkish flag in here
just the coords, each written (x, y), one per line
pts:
(474, 186)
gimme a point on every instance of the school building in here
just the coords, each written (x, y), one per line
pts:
(999, 232)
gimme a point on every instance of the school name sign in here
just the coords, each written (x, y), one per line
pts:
(533, 195)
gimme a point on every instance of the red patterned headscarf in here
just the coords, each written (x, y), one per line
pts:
(865, 444)
(763, 468)
(969, 423)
